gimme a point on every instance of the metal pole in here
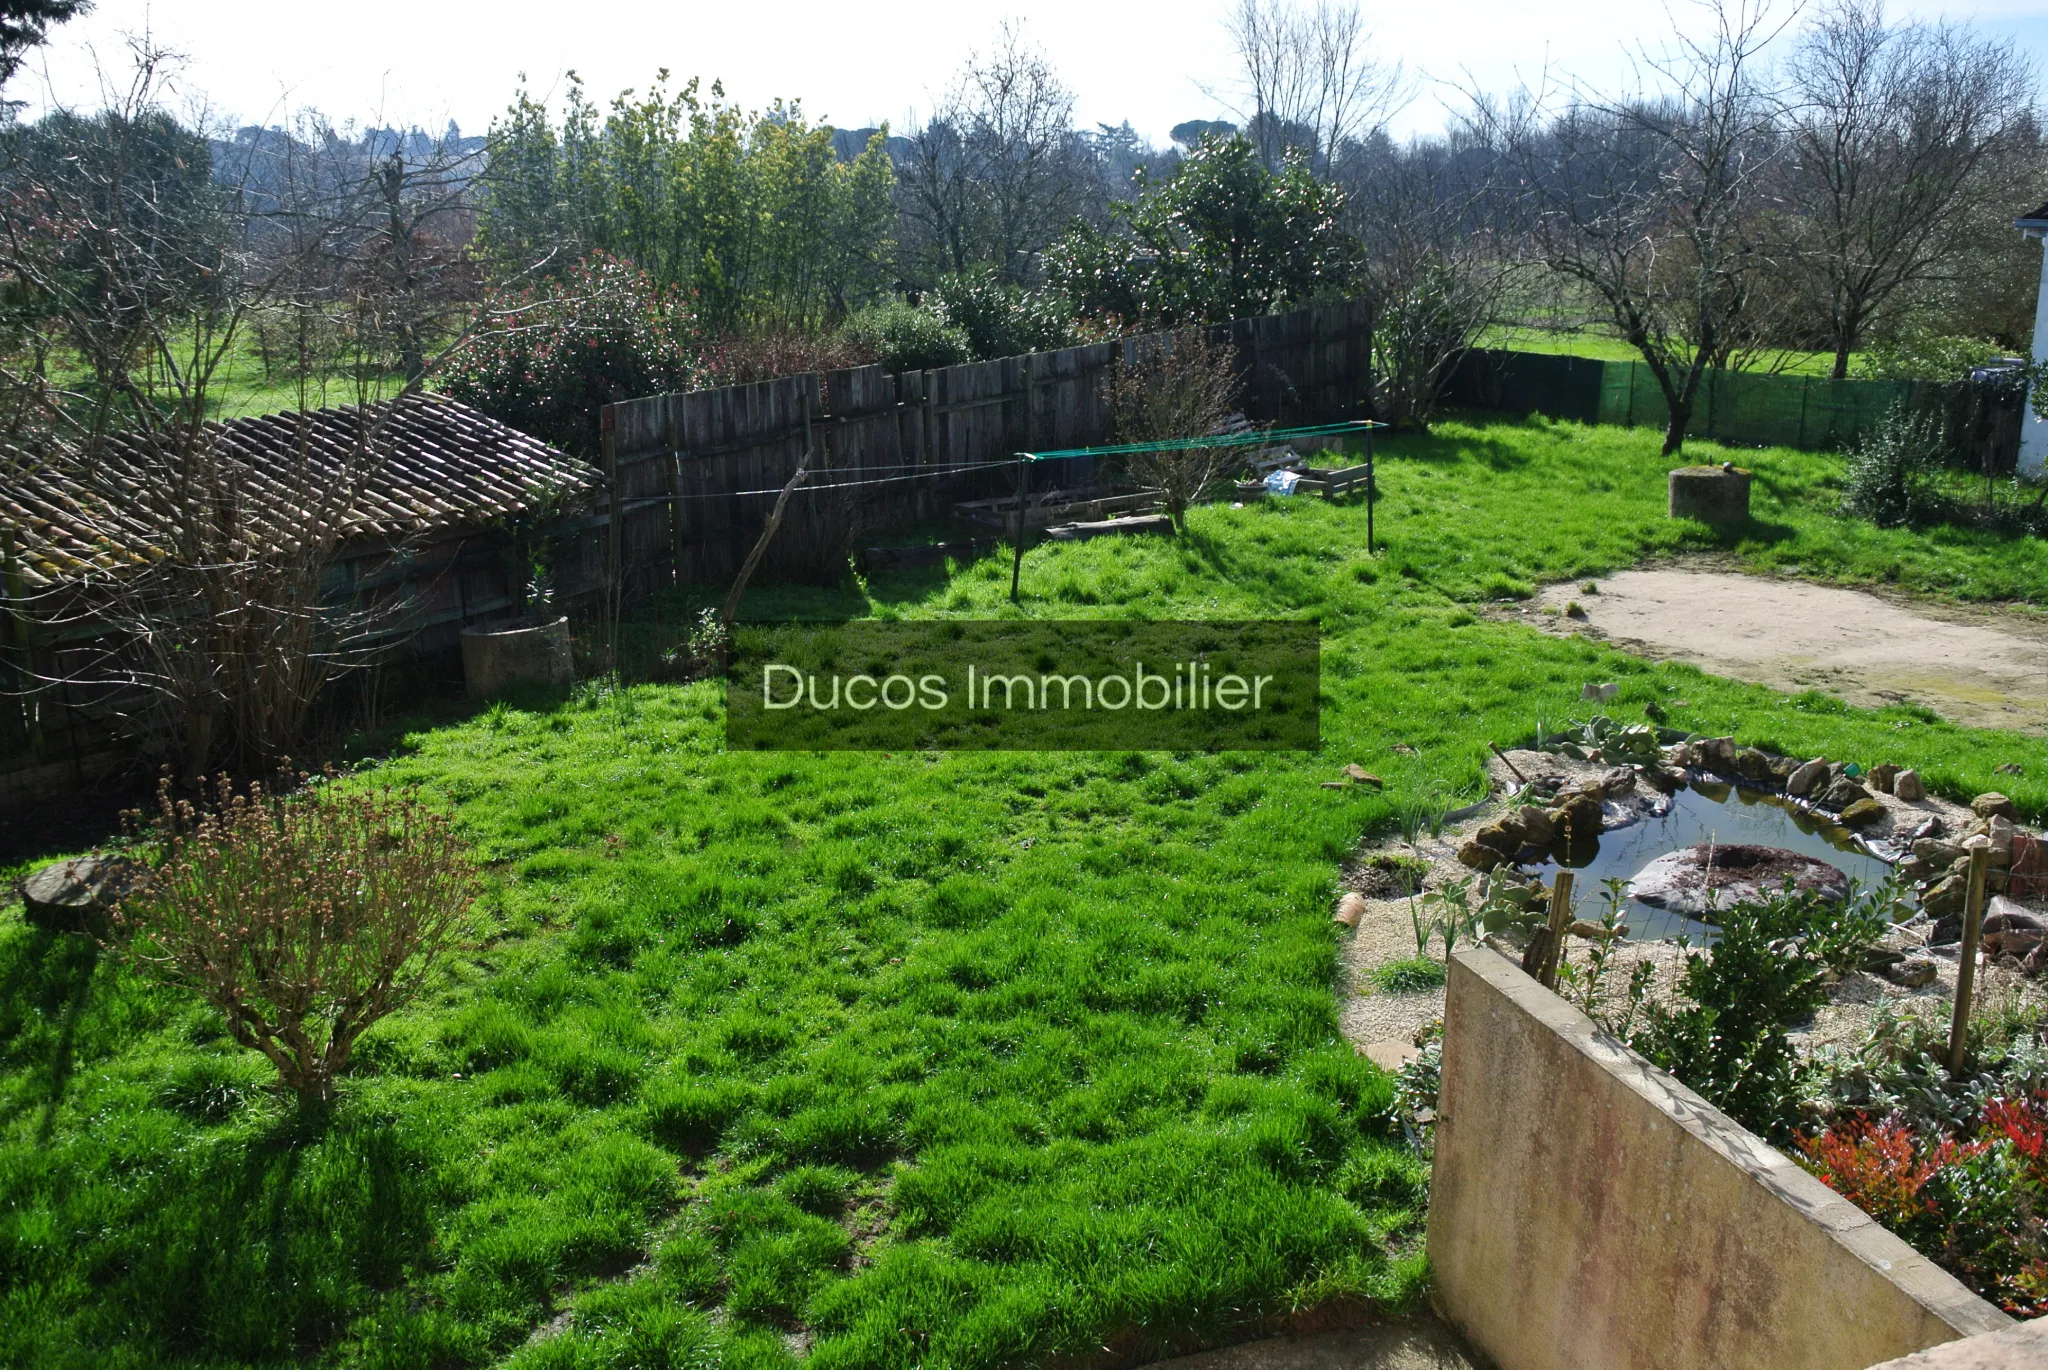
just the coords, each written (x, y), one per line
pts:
(1017, 561)
(1371, 492)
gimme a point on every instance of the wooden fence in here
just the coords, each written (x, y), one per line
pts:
(689, 481)
(694, 475)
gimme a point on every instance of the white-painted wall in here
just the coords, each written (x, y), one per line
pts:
(2034, 428)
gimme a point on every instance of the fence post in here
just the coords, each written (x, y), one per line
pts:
(17, 632)
(608, 444)
(675, 496)
(1966, 968)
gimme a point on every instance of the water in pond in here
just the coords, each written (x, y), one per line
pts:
(1723, 815)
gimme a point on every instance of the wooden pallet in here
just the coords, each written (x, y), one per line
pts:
(1081, 532)
(1335, 484)
(1056, 506)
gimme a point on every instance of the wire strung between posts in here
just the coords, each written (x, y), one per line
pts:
(1251, 437)
(933, 474)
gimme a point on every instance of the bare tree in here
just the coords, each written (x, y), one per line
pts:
(1892, 128)
(998, 171)
(198, 563)
(1310, 85)
(1439, 254)
(1183, 384)
(1657, 206)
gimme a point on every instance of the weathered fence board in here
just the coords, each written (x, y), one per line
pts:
(695, 474)
(691, 478)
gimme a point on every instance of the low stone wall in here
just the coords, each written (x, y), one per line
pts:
(1588, 1212)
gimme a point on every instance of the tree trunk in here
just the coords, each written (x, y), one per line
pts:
(1841, 367)
(1674, 431)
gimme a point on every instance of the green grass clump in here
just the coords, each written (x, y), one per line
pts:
(963, 1059)
(1410, 975)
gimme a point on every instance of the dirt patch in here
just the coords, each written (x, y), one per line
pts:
(1986, 668)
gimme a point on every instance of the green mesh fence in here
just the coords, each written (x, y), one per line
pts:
(1744, 407)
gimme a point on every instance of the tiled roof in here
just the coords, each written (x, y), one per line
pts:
(436, 463)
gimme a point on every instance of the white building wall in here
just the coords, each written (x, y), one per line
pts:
(2034, 428)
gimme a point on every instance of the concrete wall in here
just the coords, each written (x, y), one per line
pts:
(1588, 1212)
(2016, 1348)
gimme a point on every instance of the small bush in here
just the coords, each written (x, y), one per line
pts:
(1971, 1199)
(1411, 975)
(303, 920)
(604, 334)
(903, 337)
(1766, 971)
(1002, 320)
(1180, 385)
(1892, 470)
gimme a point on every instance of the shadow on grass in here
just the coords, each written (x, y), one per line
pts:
(265, 1246)
(43, 976)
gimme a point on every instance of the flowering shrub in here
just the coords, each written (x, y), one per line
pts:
(302, 920)
(603, 333)
(1974, 1203)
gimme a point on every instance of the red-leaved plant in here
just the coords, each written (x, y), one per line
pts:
(1976, 1204)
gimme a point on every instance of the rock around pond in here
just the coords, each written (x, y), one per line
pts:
(1694, 880)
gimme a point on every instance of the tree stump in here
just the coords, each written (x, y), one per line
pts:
(75, 895)
(495, 655)
(1711, 494)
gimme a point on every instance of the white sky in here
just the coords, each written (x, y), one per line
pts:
(426, 61)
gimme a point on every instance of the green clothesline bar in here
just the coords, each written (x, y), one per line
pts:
(1249, 438)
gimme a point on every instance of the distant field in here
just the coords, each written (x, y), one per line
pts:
(243, 386)
(1587, 343)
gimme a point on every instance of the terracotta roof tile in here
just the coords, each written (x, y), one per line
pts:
(442, 464)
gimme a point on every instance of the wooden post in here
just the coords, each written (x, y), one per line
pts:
(1017, 561)
(746, 573)
(675, 499)
(1966, 969)
(18, 632)
(607, 424)
(1560, 926)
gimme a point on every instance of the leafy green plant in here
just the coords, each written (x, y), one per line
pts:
(1618, 742)
(1001, 319)
(908, 337)
(1767, 969)
(1892, 471)
(1409, 975)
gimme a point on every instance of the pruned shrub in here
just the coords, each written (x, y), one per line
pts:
(303, 920)
(1179, 385)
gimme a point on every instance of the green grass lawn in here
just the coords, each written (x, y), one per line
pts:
(242, 386)
(961, 1060)
(1588, 342)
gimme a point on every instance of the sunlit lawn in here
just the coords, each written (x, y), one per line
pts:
(967, 1059)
